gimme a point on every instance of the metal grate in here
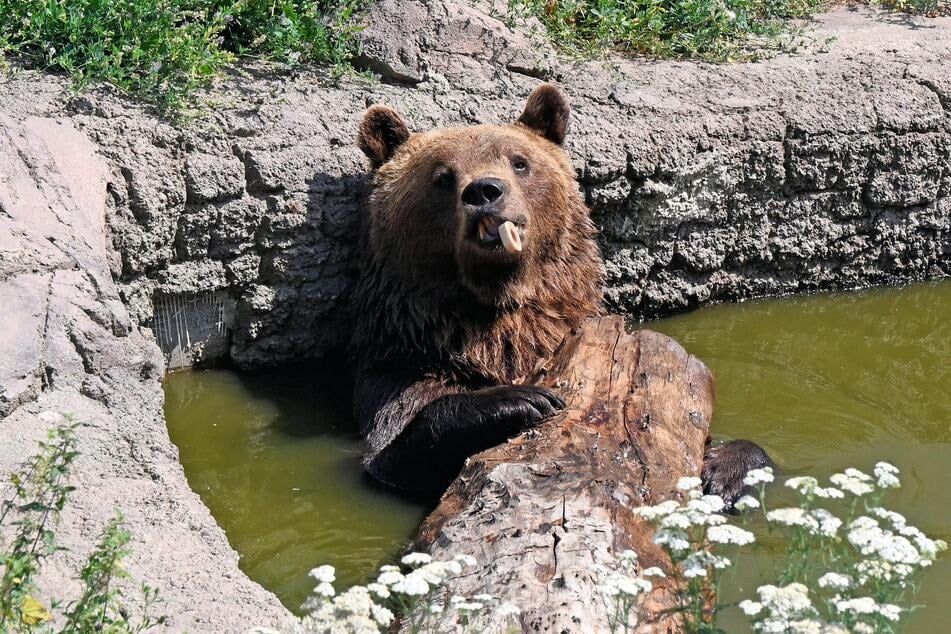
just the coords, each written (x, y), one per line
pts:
(192, 327)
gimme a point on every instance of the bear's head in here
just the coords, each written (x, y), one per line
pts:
(493, 208)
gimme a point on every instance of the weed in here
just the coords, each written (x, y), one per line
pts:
(712, 30)
(921, 7)
(38, 493)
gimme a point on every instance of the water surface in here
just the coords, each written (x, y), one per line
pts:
(275, 458)
(822, 382)
(832, 381)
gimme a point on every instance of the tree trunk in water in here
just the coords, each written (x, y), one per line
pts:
(538, 511)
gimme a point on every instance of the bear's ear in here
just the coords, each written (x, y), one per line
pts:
(547, 113)
(382, 131)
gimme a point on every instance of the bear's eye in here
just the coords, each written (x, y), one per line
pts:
(519, 164)
(443, 178)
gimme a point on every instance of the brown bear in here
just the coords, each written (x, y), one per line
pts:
(479, 258)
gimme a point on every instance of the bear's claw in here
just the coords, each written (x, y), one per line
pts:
(518, 407)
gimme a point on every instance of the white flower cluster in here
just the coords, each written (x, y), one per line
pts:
(809, 487)
(887, 476)
(877, 554)
(689, 531)
(689, 483)
(477, 603)
(853, 481)
(867, 606)
(727, 534)
(890, 556)
(697, 563)
(820, 521)
(621, 586)
(617, 583)
(850, 481)
(787, 610)
(894, 553)
(746, 503)
(675, 521)
(816, 521)
(369, 609)
(352, 611)
(835, 581)
(758, 476)
(622, 580)
(426, 576)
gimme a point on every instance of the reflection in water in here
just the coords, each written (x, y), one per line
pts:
(827, 382)
(822, 382)
(275, 458)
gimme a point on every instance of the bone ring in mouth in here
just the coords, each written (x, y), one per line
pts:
(510, 238)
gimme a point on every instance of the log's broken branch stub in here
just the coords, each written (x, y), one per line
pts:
(538, 511)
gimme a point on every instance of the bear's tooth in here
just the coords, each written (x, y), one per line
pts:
(510, 238)
(481, 226)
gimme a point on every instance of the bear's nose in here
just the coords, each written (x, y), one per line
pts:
(483, 191)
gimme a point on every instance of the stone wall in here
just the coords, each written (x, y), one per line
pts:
(710, 183)
(69, 346)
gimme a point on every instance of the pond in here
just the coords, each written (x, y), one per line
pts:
(822, 382)
(276, 459)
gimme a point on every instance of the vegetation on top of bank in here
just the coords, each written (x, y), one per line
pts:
(929, 8)
(29, 510)
(710, 30)
(163, 51)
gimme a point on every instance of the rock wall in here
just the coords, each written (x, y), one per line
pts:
(69, 346)
(816, 171)
(236, 233)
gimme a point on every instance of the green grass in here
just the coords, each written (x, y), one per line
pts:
(710, 30)
(713, 30)
(163, 50)
(920, 7)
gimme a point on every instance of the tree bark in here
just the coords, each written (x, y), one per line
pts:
(538, 511)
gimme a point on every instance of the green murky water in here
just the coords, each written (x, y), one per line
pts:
(822, 382)
(275, 458)
(833, 381)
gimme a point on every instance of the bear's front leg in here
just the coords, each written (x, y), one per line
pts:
(726, 465)
(429, 452)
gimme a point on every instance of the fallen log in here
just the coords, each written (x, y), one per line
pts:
(538, 511)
